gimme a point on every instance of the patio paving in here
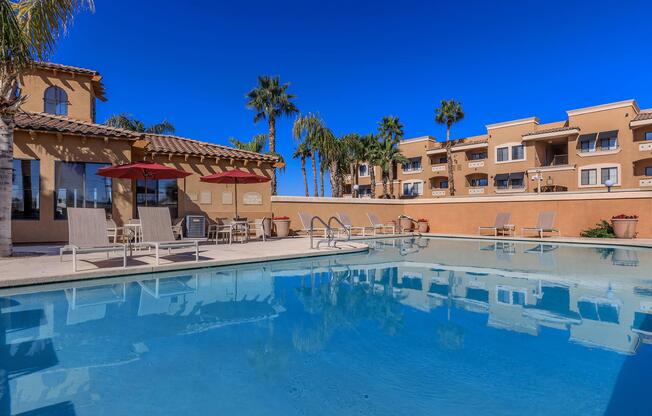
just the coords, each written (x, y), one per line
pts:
(40, 264)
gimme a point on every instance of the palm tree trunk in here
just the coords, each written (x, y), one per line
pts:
(305, 175)
(449, 160)
(314, 173)
(354, 180)
(272, 149)
(391, 180)
(385, 190)
(372, 177)
(7, 124)
(322, 170)
(335, 183)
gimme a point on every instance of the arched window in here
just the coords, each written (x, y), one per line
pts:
(56, 101)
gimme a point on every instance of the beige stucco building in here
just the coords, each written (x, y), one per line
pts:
(594, 146)
(58, 148)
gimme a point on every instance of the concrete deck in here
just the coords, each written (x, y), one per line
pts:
(40, 264)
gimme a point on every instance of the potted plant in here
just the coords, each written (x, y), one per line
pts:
(423, 225)
(624, 225)
(282, 226)
(405, 223)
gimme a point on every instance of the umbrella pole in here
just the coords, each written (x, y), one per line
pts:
(236, 199)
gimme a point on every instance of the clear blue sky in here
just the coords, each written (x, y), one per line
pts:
(353, 62)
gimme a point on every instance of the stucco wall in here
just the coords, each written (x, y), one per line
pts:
(575, 211)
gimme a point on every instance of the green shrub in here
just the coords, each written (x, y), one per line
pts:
(603, 229)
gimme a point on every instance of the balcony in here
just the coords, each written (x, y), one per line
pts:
(476, 191)
(557, 160)
(440, 167)
(476, 164)
(438, 192)
(645, 146)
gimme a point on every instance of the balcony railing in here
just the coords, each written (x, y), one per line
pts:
(558, 160)
(441, 167)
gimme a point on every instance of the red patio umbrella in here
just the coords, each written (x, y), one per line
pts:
(142, 170)
(235, 177)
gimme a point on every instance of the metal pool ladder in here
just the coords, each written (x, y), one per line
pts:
(329, 235)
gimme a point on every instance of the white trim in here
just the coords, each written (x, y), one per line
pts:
(474, 164)
(645, 146)
(585, 195)
(512, 190)
(598, 176)
(604, 107)
(551, 168)
(418, 139)
(436, 151)
(439, 167)
(639, 123)
(511, 123)
(599, 152)
(412, 172)
(471, 146)
(550, 135)
(509, 152)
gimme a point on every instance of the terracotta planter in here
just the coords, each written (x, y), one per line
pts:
(423, 227)
(405, 224)
(624, 228)
(282, 228)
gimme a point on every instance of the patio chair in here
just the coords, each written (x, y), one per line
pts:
(177, 228)
(377, 225)
(305, 224)
(113, 231)
(87, 233)
(348, 224)
(221, 226)
(261, 227)
(157, 231)
(500, 225)
(545, 224)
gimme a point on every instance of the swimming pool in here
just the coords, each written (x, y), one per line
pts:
(416, 326)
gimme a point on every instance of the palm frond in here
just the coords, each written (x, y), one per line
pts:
(164, 127)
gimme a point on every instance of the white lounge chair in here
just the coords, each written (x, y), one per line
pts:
(545, 224)
(305, 224)
(260, 227)
(348, 224)
(158, 233)
(87, 233)
(501, 225)
(377, 225)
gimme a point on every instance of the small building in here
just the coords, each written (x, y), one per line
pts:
(58, 148)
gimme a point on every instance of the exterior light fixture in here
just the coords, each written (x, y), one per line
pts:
(609, 183)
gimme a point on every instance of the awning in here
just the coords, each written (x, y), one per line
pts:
(608, 134)
(516, 175)
(501, 177)
(590, 136)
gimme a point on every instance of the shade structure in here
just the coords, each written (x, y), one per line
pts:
(142, 170)
(235, 176)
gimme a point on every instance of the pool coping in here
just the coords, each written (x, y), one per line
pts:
(114, 272)
(579, 241)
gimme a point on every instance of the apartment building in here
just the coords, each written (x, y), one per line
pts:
(595, 147)
(58, 148)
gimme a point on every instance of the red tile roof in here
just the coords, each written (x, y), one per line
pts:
(67, 68)
(182, 145)
(643, 116)
(552, 130)
(60, 124)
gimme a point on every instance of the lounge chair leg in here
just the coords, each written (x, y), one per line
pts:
(74, 260)
(156, 252)
(196, 252)
(124, 257)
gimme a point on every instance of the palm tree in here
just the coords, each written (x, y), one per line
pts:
(257, 143)
(449, 113)
(371, 154)
(128, 122)
(390, 129)
(355, 148)
(328, 148)
(270, 100)
(307, 129)
(29, 31)
(303, 152)
(388, 155)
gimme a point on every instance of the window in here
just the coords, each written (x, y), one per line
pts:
(587, 143)
(598, 310)
(363, 170)
(478, 156)
(443, 159)
(502, 154)
(412, 165)
(609, 174)
(364, 190)
(78, 185)
(502, 183)
(25, 190)
(412, 188)
(608, 143)
(648, 171)
(509, 296)
(517, 182)
(56, 101)
(648, 135)
(478, 182)
(518, 152)
(589, 177)
(443, 184)
(159, 193)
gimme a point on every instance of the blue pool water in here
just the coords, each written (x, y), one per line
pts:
(414, 327)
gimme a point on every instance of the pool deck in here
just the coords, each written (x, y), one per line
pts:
(40, 264)
(635, 242)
